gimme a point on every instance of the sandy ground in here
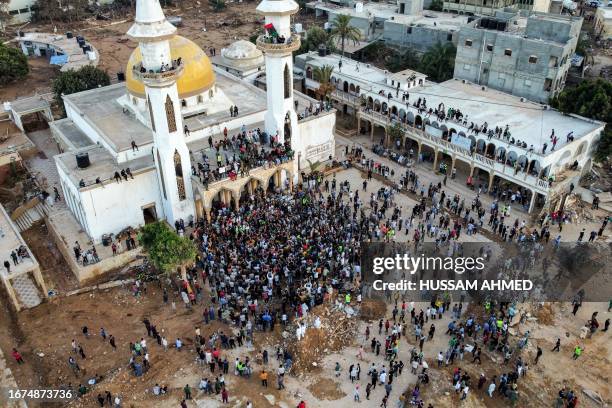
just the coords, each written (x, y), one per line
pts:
(44, 335)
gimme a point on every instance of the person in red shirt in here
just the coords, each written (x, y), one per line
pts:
(302, 404)
(225, 396)
(17, 356)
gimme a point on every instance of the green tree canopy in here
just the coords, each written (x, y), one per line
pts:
(342, 29)
(438, 63)
(316, 36)
(591, 99)
(71, 81)
(167, 251)
(323, 76)
(436, 5)
(13, 64)
(395, 131)
(408, 59)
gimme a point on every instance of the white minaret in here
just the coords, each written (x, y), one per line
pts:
(159, 74)
(279, 66)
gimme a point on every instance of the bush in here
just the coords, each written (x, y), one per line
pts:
(71, 81)
(13, 65)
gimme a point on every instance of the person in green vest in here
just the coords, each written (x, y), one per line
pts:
(577, 352)
(347, 298)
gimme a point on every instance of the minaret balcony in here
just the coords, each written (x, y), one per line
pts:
(167, 74)
(278, 45)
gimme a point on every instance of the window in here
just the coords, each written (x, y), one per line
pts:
(161, 174)
(13, 12)
(24, 10)
(533, 59)
(468, 43)
(508, 52)
(151, 114)
(528, 83)
(170, 118)
(547, 84)
(409, 30)
(180, 185)
(287, 81)
(466, 67)
(490, 47)
(200, 99)
(211, 93)
(184, 103)
(449, 37)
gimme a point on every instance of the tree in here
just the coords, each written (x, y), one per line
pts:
(592, 99)
(408, 59)
(167, 251)
(315, 36)
(395, 132)
(323, 76)
(71, 81)
(438, 63)
(342, 29)
(436, 5)
(13, 64)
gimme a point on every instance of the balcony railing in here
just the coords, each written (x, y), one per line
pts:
(171, 73)
(271, 45)
(509, 172)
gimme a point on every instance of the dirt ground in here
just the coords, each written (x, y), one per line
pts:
(200, 24)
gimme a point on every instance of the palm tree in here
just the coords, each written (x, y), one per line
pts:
(323, 76)
(342, 29)
(438, 63)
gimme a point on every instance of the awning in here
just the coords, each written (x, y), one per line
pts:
(59, 59)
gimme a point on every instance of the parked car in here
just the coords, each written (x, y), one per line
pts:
(595, 3)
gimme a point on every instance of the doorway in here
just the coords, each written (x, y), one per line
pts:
(149, 213)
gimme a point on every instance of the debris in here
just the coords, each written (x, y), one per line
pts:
(593, 395)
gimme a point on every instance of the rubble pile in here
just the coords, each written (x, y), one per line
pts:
(336, 331)
(578, 210)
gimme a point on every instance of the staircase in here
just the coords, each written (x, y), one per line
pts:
(26, 215)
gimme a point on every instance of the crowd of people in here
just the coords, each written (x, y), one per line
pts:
(235, 156)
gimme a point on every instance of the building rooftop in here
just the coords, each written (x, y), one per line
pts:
(99, 107)
(11, 240)
(432, 19)
(68, 46)
(368, 75)
(71, 134)
(102, 165)
(378, 10)
(528, 121)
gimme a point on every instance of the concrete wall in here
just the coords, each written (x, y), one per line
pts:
(115, 206)
(83, 273)
(553, 29)
(362, 23)
(317, 141)
(419, 38)
(517, 74)
(410, 7)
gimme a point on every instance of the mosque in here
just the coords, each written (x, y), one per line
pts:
(129, 151)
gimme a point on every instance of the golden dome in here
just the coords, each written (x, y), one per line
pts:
(197, 77)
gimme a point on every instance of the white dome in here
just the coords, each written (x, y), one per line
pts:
(242, 55)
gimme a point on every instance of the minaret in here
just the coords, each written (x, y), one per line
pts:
(279, 65)
(159, 74)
